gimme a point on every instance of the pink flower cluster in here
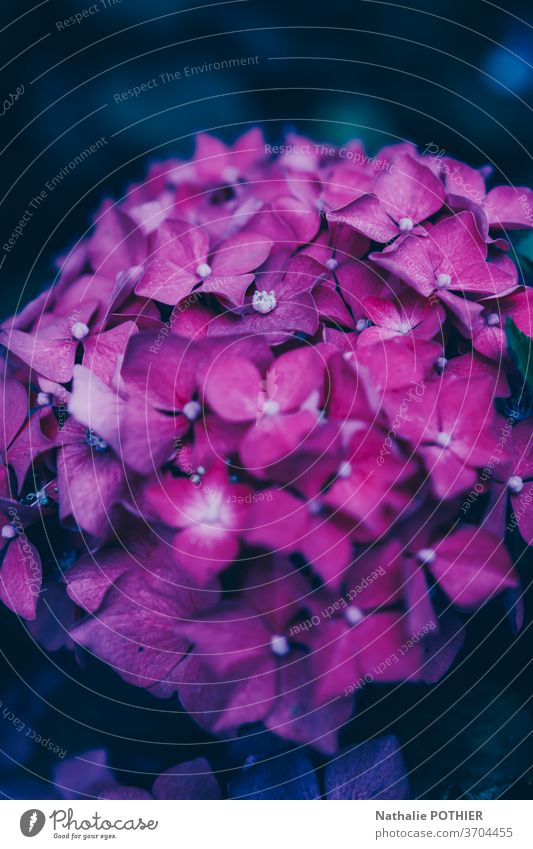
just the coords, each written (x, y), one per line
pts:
(258, 405)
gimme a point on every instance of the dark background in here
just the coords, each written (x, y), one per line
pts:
(454, 74)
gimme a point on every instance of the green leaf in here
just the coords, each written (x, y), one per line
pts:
(521, 347)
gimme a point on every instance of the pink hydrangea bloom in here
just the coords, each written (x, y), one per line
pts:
(259, 404)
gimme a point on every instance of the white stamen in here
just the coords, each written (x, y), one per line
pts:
(9, 532)
(192, 410)
(43, 399)
(444, 439)
(515, 484)
(270, 407)
(345, 469)
(406, 224)
(201, 470)
(195, 479)
(332, 263)
(353, 615)
(203, 270)
(441, 363)
(280, 645)
(492, 319)
(426, 555)
(361, 325)
(443, 280)
(404, 327)
(79, 330)
(264, 302)
(348, 355)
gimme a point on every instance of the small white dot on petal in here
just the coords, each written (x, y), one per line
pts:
(192, 410)
(515, 484)
(406, 224)
(361, 325)
(9, 532)
(332, 263)
(79, 330)
(492, 319)
(345, 469)
(444, 439)
(203, 270)
(270, 407)
(443, 280)
(441, 363)
(43, 399)
(353, 614)
(280, 645)
(426, 555)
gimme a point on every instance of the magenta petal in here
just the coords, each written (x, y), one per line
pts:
(104, 351)
(293, 377)
(471, 566)
(14, 407)
(367, 216)
(166, 282)
(274, 438)
(409, 261)
(20, 578)
(232, 389)
(240, 254)
(295, 718)
(190, 780)
(229, 287)
(220, 705)
(116, 244)
(89, 485)
(204, 552)
(509, 208)
(371, 770)
(137, 630)
(408, 189)
(51, 357)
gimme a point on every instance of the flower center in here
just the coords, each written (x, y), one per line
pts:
(361, 325)
(353, 614)
(406, 225)
(332, 263)
(203, 270)
(43, 399)
(279, 645)
(515, 484)
(79, 330)
(345, 469)
(404, 327)
(426, 555)
(9, 532)
(95, 441)
(264, 302)
(492, 319)
(270, 407)
(192, 410)
(441, 363)
(443, 280)
(444, 439)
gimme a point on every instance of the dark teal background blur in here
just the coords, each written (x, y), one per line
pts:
(452, 73)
